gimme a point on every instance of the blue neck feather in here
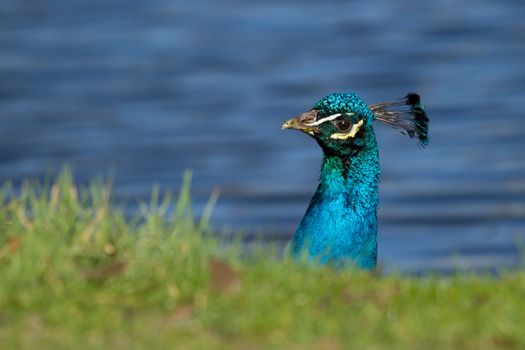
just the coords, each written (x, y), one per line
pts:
(340, 224)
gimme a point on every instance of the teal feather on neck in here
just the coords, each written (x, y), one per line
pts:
(340, 224)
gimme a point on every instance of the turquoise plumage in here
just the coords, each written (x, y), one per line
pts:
(340, 224)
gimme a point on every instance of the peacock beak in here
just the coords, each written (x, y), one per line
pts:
(291, 124)
(302, 123)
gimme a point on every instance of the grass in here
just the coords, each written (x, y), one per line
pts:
(75, 273)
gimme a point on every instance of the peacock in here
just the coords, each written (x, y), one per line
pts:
(340, 225)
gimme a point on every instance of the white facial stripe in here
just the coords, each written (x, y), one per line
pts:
(347, 135)
(327, 119)
(321, 121)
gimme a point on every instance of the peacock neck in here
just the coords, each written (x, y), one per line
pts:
(355, 176)
(341, 222)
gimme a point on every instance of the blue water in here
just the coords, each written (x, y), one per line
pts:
(146, 89)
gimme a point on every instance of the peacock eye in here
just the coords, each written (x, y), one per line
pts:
(343, 125)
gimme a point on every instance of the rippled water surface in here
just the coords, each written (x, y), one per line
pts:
(146, 89)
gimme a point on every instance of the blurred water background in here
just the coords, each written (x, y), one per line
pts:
(147, 89)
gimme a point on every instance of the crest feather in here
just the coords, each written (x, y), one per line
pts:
(407, 115)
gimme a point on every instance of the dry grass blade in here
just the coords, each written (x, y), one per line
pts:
(223, 277)
(103, 273)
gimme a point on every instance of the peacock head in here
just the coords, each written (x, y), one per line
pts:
(342, 123)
